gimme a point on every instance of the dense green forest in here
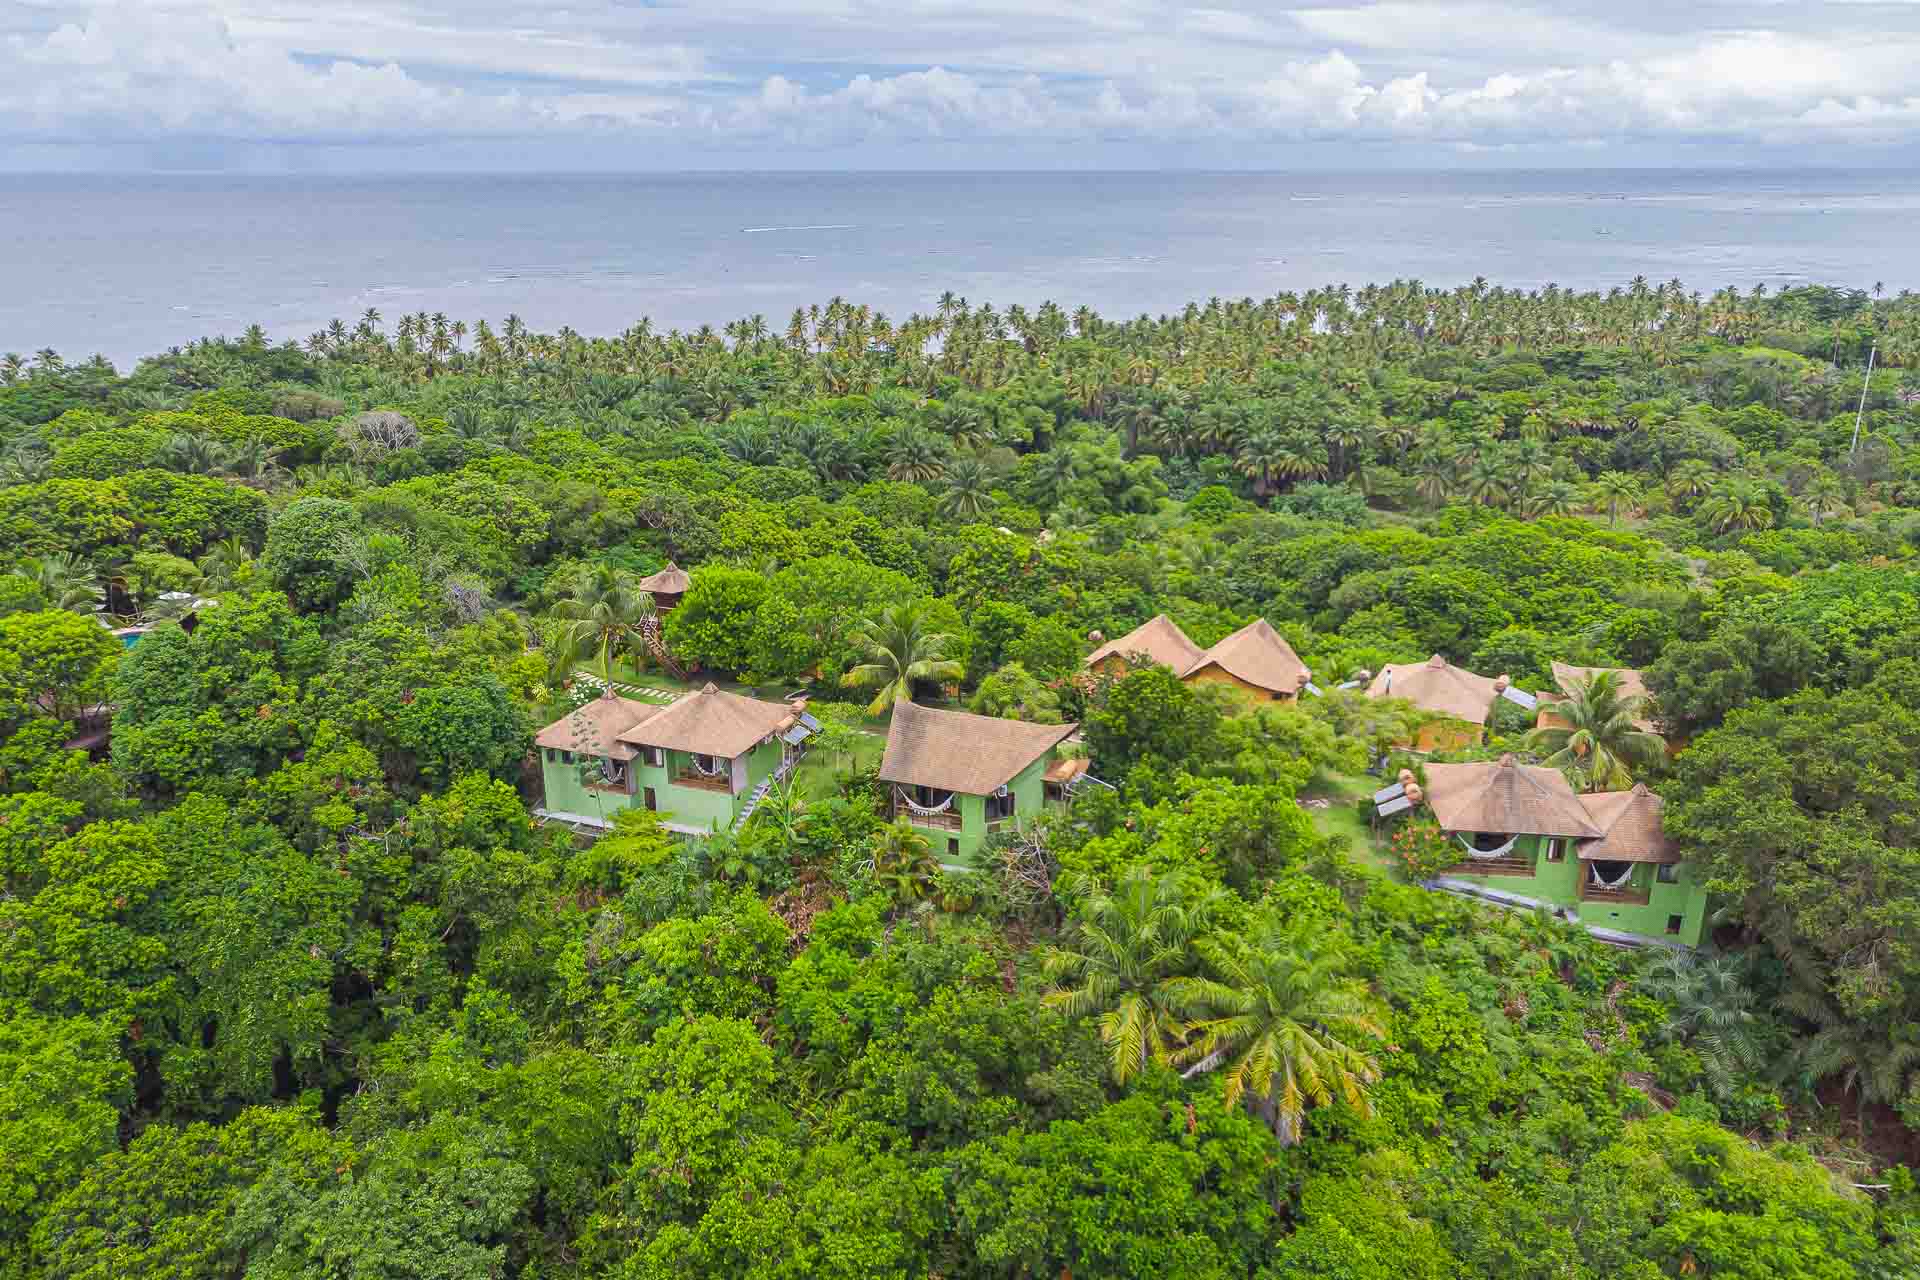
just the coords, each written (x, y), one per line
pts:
(292, 983)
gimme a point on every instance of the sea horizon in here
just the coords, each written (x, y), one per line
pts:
(131, 264)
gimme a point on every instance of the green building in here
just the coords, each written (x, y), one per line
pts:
(1602, 859)
(962, 777)
(703, 762)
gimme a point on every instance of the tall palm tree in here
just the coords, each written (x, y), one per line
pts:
(1825, 496)
(1615, 490)
(969, 482)
(1124, 947)
(1435, 479)
(901, 647)
(606, 615)
(1600, 743)
(1486, 482)
(1273, 1019)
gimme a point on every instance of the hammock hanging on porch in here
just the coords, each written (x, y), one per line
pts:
(1618, 882)
(923, 810)
(720, 767)
(1485, 854)
(613, 771)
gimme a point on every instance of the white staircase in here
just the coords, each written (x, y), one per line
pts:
(753, 802)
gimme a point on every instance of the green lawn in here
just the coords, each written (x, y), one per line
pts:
(1341, 818)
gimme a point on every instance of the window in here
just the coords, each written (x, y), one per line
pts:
(1556, 849)
(1674, 923)
(953, 847)
(1669, 873)
(999, 806)
(566, 757)
(553, 757)
(650, 756)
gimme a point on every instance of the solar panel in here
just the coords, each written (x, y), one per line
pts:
(1391, 807)
(796, 735)
(1313, 688)
(1389, 793)
(813, 726)
(1520, 697)
(1350, 684)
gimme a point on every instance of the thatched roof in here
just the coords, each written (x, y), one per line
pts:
(712, 723)
(1159, 639)
(1259, 655)
(1507, 797)
(1438, 685)
(956, 751)
(596, 727)
(672, 581)
(1632, 685)
(1630, 825)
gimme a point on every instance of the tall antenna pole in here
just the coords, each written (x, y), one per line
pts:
(1862, 412)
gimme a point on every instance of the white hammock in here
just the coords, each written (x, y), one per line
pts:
(613, 771)
(924, 811)
(721, 768)
(1485, 854)
(1618, 882)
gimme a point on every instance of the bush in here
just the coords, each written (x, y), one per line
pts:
(1421, 850)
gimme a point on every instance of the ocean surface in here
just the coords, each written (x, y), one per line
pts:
(127, 266)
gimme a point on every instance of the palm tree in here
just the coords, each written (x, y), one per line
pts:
(1614, 490)
(66, 580)
(1435, 479)
(1123, 948)
(1556, 498)
(1711, 1010)
(1486, 482)
(969, 482)
(224, 562)
(1737, 504)
(901, 648)
(913, 455)
(1689, 479)
(1824, 496)
(1272, 1019)
(903, 861)
(1600, 741)
(606, 615)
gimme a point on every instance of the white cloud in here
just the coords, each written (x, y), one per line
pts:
(844, 73)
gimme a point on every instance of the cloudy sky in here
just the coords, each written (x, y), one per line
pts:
(626, 84)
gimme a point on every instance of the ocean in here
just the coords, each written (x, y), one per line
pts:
(127, 266)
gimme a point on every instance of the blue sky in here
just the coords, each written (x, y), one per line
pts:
(478, 84)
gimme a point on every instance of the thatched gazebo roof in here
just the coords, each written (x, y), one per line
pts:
(670, 581)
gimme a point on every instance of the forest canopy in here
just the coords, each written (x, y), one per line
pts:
(298, 977)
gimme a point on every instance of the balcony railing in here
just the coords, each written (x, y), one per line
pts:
(1619, 897)
(698, 782)
(1491, 867)
(946, 820)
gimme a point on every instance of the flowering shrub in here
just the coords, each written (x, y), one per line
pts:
(1422, 850)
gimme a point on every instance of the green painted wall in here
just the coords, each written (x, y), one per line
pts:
(1029, 794)
(683, 806)
(568, 793)
(1559, 883)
